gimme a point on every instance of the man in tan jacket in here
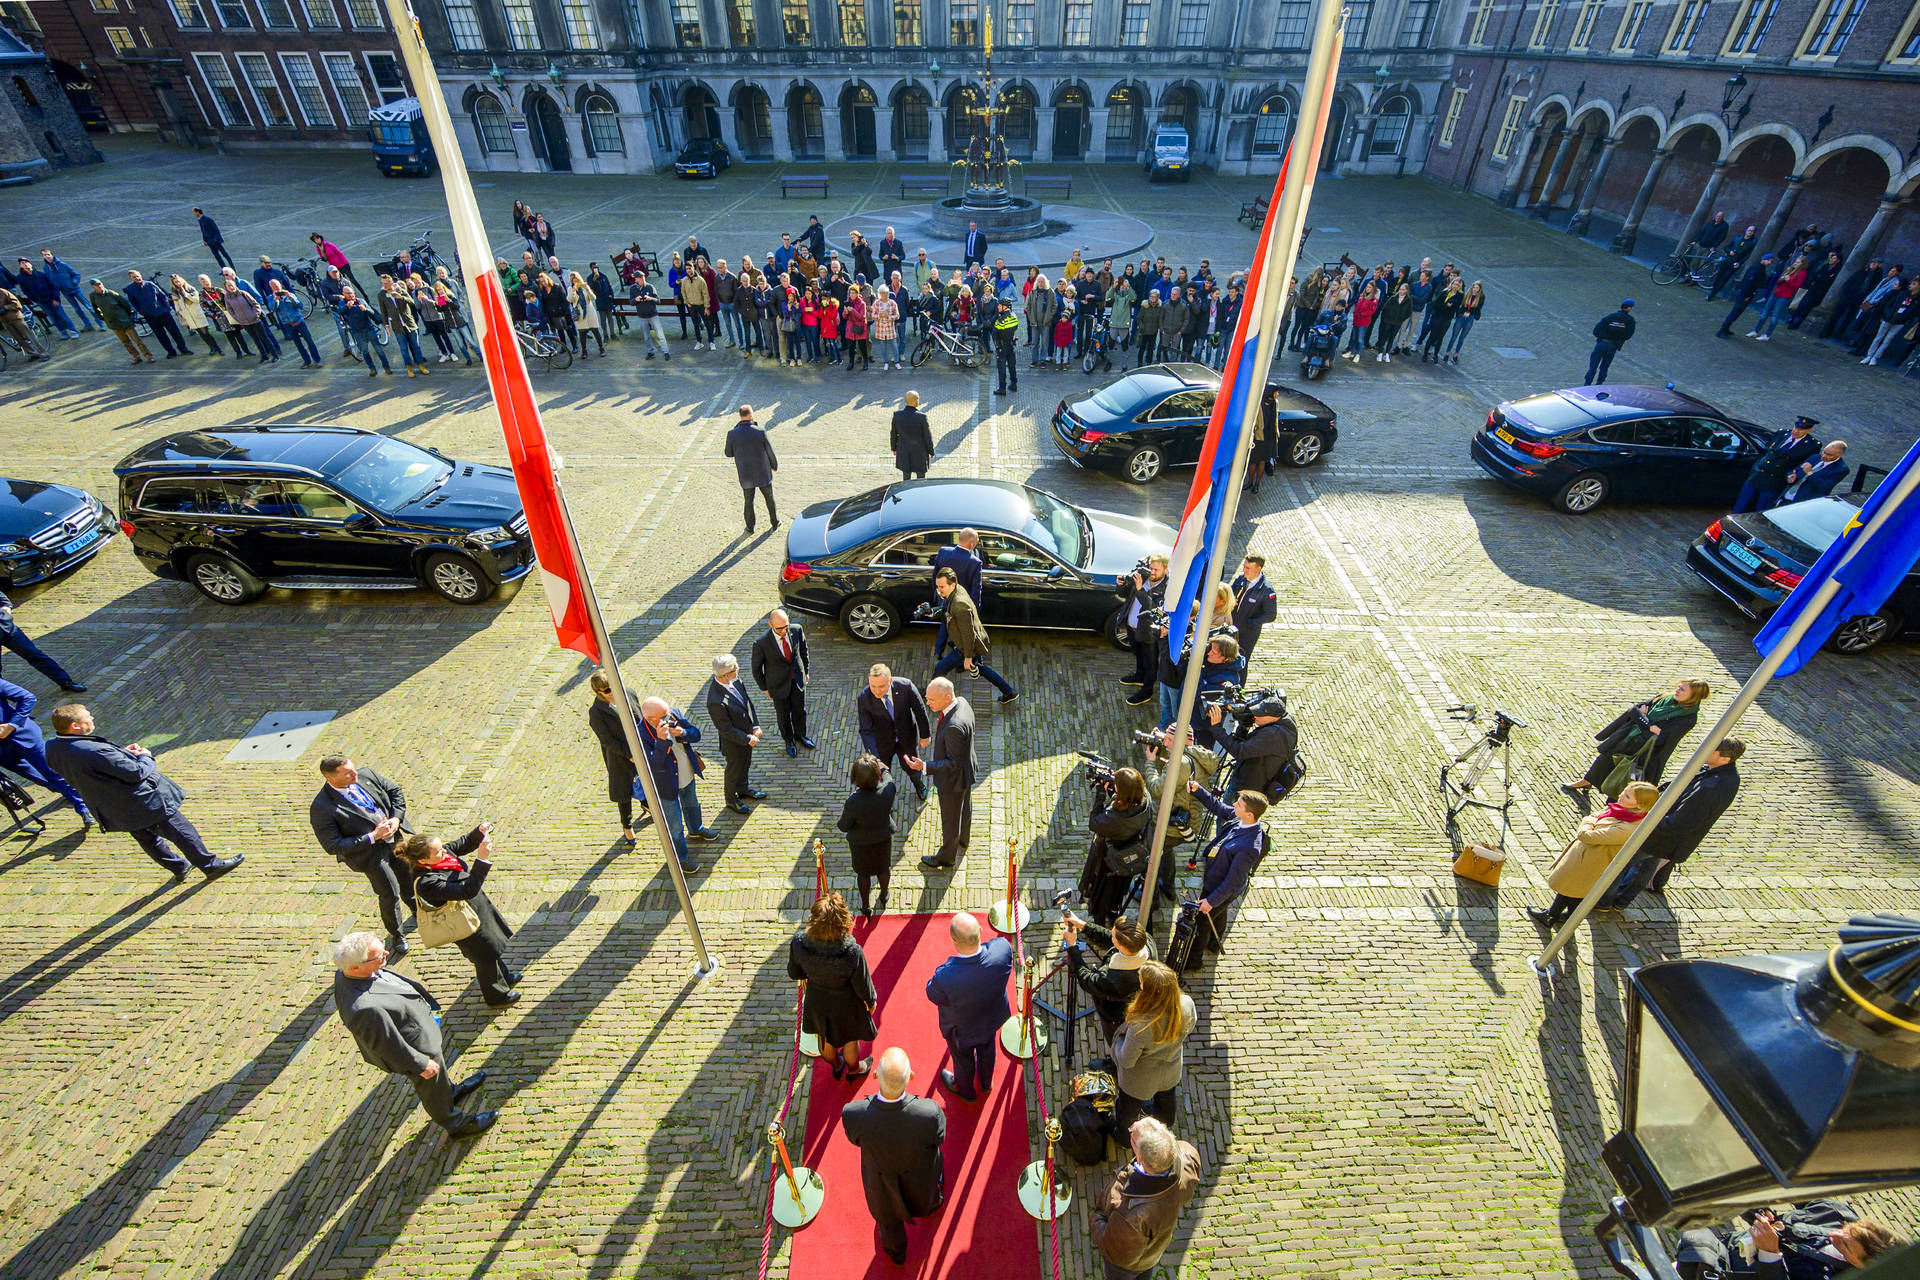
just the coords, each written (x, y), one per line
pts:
(969, 637)
(1133, 1218)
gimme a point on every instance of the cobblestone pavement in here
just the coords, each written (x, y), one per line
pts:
(1378, 1084)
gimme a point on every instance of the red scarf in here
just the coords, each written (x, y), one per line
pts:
(1624, 814)
(445, 862)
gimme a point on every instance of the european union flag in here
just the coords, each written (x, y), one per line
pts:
(1867, 568)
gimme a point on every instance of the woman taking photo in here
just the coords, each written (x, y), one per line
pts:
(441, 876)
(1364, 311)
(1393, 313)
(838, 1002)
(1595, 842)
(1642, 737)
(867, 818)
(1122, 826)
(1149, 1050)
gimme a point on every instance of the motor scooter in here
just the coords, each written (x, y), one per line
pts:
(1322, 344)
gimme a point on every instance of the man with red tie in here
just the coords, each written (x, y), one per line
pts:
(780, 669)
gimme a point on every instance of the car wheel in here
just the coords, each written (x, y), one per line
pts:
(1118, 634)
(221, 580)
(1582, 493)
(870, 619)
(455, 578)
(1857, 635)
(1305, 449)
(1146, 464)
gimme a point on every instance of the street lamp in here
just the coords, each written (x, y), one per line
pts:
(495, 74)
(1751, 1077)
(1735, 83)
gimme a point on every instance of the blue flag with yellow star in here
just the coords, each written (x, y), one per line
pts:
(1867, 568)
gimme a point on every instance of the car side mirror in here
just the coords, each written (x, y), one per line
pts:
(358, 520)
(1056, 573)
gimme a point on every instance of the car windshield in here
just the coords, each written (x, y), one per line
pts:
(392, 473)
(1118, 397)
(1815, 523)
(1550, 414)
(858, 506)
(1066, 532)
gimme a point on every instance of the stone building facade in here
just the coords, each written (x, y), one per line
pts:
(1634, 121)
(39, 130)
(621, 85)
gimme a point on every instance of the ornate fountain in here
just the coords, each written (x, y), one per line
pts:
(1000, 214)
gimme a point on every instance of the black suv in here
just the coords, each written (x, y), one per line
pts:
(235, 510)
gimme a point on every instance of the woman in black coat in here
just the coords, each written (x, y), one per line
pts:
(604, 720)
(838, 1003)
(440, 877)
(867, 818)
(1647, 732)
(1122, 826)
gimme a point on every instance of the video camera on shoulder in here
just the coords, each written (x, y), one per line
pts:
(1099, 770)
(1244, 703)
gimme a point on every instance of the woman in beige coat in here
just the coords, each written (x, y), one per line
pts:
(187, 308)
(1594, 845)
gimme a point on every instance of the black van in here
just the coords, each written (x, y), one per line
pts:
(235, 510)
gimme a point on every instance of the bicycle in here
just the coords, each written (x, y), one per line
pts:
(963, 348)
(1694, 265)
(1460, 776)
(10, 343)
(307, 274)
(423, 253)
(538, 346)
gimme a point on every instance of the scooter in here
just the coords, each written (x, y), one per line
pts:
(1322, 345)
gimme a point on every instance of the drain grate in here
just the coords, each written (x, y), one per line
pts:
(1514, 353)
(279, 735)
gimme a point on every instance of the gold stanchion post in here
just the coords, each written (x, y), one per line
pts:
(1009, 914)
(1019, 1035)
(819, 869)
(797, 1197)
(1041, 1194)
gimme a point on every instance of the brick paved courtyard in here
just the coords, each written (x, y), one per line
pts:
(1378, 1084)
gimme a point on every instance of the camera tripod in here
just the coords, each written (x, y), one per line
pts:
(1460, 776)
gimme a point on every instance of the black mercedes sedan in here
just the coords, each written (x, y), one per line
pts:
(1143, 422)
(235, 510)
(1579, 447)
(702, 158)
(48, 528)
(868, 560)
(1756, 559)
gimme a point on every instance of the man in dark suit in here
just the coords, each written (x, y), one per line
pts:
(954, 769)
(754, 463)
(976, 246)
(1254, 604)
(1768, 475)
(396, 1023)
(739, 728)
(962, 555)
(127, 792)
(1686, 825)
(780, 664)
(24, 750)
(1239, 843)
(358, 816)
(12, 637)
(970, 988)
(901, 1167)
(894, 724)
(910, 437)
(1817, 476)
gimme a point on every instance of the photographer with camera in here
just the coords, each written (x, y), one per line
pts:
(1146, 592)
(1186, 761)
(1114, 981)
(1229, 860)
(1221, 675)
(1122, 826)
(1172, 670)
(1262, 742)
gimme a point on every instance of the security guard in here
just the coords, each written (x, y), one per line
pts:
(1006, 328)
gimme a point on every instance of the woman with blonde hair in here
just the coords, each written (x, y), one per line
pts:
(838, 1000)
(1149, 1049)
(586, 315)
(1642, 738)
(1595, 842)
(186, 304)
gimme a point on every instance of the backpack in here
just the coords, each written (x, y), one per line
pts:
(1083, 1133)
(18, 804)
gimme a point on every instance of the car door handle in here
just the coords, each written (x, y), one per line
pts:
(889, 575)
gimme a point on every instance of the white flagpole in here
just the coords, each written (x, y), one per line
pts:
(476, 258)
(1670, 794)
(1289, 219)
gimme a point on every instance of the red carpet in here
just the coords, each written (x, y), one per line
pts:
(981, 1231)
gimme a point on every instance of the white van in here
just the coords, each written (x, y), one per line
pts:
(1170, 153)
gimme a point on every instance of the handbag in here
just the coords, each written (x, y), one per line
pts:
(1620, 775)
(448, 922)
(1480, 863)
(1130, 859)
(786, 324)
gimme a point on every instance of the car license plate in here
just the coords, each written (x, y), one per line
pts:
(84, 540)
(1741, 556)
(1173, 166)
(1504, 434)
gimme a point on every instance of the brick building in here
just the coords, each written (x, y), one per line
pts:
(234, 73)
(39, 129)
(1633, 122)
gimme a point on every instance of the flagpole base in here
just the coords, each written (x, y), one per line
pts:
(1019, 1041)
(1033, 1193)
(794, 1214)
(1004, 921)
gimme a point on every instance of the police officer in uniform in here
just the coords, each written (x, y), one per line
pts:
(1006, 328)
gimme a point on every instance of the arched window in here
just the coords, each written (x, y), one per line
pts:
(1123, 117)
(1271, 126)
(490, 122)
(603, 125)
(1390, 130)
(1017, 124)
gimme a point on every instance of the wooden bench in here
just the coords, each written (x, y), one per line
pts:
(924, 184)
(670, 307)
(1254, 212)
(1049, 185)
(813, 182)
